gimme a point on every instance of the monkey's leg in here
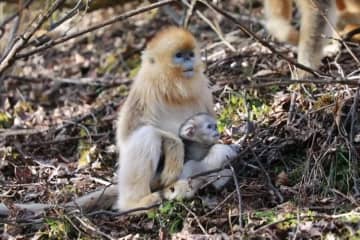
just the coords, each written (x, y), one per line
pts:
(140, 155)
(278, 15)
(173, 150)
(313, 26)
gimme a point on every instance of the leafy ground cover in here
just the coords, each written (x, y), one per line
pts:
(296, 178)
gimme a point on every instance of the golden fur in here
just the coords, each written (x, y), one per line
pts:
(349, 16)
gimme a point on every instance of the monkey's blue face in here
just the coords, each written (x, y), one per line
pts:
(186, 61)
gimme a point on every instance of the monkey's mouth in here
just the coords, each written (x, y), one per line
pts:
(189, 72)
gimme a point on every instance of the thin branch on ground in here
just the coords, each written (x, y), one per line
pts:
(118, 214)
(236, 182)
(196, 218)
(268, 178)
(219, 205)
(93, 228)
(268, 82)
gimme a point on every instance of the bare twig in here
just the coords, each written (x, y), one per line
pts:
(13, 16)
(268, 178)
(69, 139)
(78, 6)
(196, 218)
(118, 18)
(267, 82)
(219, 205)
(118, 214)
(45, 38)
(11, 39)
(106, 82)
(292, 108)
(20, 42)
(93, 229)
(353, 154)
(238, 195)
(263, 42)
(189, 13)
(212, 26)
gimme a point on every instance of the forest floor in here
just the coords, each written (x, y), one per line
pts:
(297, 176)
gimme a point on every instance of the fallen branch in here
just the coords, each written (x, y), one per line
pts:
(263, 82)
(101, 199)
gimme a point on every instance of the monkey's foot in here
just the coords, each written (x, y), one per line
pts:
(148, 202)
(180, 190)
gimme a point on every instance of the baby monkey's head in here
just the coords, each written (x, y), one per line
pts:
(200, 128)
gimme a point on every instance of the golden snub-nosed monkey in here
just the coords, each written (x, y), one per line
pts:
(170, 87)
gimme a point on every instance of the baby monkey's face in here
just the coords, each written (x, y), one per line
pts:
(207, 132)
(201, 128)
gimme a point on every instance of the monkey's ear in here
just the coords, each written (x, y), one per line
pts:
(188, 130)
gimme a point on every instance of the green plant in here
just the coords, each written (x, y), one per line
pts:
(169, 215)
(235, 107)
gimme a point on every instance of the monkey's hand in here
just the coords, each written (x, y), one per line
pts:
(220, 154)
(174, 161)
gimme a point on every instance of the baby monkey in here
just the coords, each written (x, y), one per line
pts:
(202, 153)
(198, 134)
(200, 137)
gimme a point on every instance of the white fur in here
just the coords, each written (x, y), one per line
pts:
(142, 151)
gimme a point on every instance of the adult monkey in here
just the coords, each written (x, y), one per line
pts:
(169, 88)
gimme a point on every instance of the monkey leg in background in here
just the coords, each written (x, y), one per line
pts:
(349, 16)
(278, 14)
(143, 150)
(313, 26)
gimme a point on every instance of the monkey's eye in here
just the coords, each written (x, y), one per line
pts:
(178, 55)
(191, 54)
(209, 126)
